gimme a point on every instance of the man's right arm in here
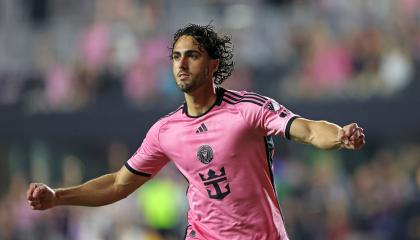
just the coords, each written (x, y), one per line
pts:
(100, 191)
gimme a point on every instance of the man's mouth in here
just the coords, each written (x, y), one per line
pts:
(183, 75)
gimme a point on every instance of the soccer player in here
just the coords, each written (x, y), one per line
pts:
(220, 140)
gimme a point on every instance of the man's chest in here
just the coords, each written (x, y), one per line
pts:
(203, 141)
(207, 151)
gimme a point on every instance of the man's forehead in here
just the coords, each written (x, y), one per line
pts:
(187, 43)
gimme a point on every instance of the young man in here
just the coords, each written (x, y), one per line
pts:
(220, 140)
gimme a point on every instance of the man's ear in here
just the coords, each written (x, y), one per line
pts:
(214, 65)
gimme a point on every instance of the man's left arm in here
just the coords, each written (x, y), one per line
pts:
(326, 135)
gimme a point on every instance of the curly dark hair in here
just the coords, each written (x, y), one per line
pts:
(218, 47)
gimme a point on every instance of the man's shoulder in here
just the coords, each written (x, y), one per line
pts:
(244, 98)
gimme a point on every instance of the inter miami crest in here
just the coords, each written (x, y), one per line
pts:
(205, 154)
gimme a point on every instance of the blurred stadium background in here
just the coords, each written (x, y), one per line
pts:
(81, 82)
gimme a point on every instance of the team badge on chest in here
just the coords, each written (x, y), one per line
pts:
(205, 154)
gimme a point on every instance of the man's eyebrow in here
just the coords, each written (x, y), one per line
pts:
(189, 51)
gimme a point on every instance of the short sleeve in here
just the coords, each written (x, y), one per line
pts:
(271, 118)
(276, 119)
(149, 157)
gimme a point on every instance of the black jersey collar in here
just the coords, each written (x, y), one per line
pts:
(219, 97)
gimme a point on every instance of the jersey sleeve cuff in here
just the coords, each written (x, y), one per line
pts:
(136, 172)
(289, 123)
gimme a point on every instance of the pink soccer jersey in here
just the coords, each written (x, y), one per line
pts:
(226, 156)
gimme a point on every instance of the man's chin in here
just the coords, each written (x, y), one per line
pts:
(186, 88)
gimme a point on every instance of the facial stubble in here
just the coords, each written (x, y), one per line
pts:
(194, 83)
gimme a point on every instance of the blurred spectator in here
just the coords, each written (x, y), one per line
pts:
(95, 46)
(327, 66)
(396, 70)
(59, 87)
(333, 49)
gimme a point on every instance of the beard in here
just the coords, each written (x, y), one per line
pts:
(187, 87)
(193, 84)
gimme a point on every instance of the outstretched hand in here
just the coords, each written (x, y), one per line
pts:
(352, 137)
(40, 196)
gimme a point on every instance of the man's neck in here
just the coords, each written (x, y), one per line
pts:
(200, 101)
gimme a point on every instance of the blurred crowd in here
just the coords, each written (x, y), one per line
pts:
(364, 195)
(372, 194)
(156, 212)
(63, 56)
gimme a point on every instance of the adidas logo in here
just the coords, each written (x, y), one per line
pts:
(202, 128)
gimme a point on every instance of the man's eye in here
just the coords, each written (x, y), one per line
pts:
(194, 56)
(175, 57)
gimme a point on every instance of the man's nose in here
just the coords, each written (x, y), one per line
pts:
(183, 63)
